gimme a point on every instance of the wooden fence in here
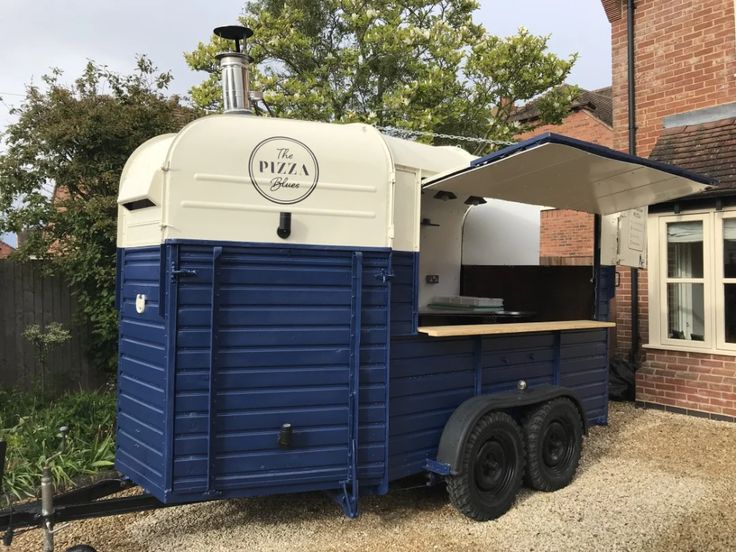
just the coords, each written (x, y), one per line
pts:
(27, 296)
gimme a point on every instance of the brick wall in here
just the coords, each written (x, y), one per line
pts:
(5, 250)
(622, 346)
(580, 124)
(689, 381)
(566, 234)
(685, 60)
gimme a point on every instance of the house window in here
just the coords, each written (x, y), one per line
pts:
(685, 281)
(725, 223)
(693, 281)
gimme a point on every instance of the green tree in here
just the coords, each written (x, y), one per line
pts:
(44, 340)
(59, 175)
(414, 64)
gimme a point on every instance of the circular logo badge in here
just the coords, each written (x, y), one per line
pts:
(283, 170)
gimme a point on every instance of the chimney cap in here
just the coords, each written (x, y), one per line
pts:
(235, 33)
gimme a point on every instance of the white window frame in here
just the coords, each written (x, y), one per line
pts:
(713, 280)
(720, 280)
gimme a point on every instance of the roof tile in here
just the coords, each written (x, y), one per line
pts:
(709, 149)
(598, 102)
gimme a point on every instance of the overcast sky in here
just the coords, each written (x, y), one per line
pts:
(38, 34)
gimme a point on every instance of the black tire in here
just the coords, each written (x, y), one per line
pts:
(81, 548)
(491, 468)
(554, 440)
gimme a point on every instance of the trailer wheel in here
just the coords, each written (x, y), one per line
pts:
(554, 440)
(491, 468)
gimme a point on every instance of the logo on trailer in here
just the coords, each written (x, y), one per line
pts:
(283, 170)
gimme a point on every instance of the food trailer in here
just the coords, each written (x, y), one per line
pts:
(272, 277)
(276, 285)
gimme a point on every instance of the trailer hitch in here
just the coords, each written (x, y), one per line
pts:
(86, 502)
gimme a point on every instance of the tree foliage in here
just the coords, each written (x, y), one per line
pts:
(413, 64)
(59, 175)
(44, 340)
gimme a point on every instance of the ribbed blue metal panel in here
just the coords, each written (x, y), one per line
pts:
(606, 280)
(584, 368)
(281, 355)
(508, 358)
(141, 372)
(430, 377)
(404, 293)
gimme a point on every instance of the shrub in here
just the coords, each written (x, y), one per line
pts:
(30, 426)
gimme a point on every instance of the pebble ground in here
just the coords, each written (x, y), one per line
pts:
(650, 481)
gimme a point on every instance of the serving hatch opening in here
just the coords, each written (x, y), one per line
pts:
(499, 280)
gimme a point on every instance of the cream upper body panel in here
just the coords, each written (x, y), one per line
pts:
(140, 197)
(230, 177)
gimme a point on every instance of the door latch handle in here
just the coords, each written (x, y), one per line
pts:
(183, 272)
(384, 276)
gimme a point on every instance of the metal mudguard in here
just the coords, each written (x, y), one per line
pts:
(468, 413)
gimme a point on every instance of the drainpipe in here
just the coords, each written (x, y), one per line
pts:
(631, 82)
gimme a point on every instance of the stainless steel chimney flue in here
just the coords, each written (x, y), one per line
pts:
(234, 67)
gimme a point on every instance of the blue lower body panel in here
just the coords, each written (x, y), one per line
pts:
(431, 377)
(237, 342)
(269, 337)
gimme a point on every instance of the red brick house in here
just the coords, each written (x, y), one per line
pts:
(5, 250)
(590, 118)
(685, 77)
(685, 113)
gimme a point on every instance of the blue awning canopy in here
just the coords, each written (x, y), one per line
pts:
(562, 172)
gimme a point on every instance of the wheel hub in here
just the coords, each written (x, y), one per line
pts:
(557, 444)
(493, 466)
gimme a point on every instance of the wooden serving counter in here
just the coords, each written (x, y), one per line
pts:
(521, 327)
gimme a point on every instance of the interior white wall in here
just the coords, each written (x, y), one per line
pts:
(502, 233)
(440, 247)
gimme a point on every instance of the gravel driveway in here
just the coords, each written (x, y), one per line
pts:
(649, 481)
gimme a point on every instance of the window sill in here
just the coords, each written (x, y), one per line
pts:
(701, 350)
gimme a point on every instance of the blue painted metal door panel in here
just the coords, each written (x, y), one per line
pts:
(262, 342)
(268, 336)
(142, 377)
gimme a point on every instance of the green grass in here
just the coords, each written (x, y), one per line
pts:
(30, 426)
